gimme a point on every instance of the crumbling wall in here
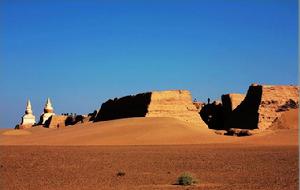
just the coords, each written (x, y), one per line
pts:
(174, 103)
(231, 101)
(56, 121)
(245, 116)
(212, 115)
(199, 105)
(125, 107)
(275, 101)
(262, 105)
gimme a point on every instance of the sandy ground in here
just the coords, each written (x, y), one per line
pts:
(148, 167)
(137, 131)
(152, 152)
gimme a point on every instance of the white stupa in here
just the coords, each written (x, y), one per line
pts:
(48, 112)
(28, 118)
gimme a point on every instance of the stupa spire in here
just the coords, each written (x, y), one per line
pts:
(48, 106)
(48, 111)
(28, 107)
(28, 119)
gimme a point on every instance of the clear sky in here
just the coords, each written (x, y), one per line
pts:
(82, 52)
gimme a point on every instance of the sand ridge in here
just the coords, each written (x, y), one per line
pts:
(16, 132)
(140, 131)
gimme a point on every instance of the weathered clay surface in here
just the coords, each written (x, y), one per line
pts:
(231, 101)
(56, 121)
(174, 103)
(273, 100)
(199, 105)
(262, 105)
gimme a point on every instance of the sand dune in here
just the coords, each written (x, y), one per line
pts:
(15, 132)
(219, 162)
(288, 120)
(137, 131)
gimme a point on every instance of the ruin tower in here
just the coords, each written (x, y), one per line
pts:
(48, 112)
(28, 118)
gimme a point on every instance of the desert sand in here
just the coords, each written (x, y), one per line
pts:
(152, 152)
(139, 131)
(149, 167)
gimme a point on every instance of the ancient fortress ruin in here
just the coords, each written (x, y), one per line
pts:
(172, 103)
(258, 109)
(261, 106)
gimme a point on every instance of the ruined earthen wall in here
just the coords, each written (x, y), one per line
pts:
(231, 101)
(56, 121)
(273, 99)
(199, 105)
(125, 107)
(174, 103)
(262, 105)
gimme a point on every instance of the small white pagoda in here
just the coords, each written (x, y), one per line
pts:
(28, 118)
(48, 112)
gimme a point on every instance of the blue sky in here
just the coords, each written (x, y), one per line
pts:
(81, 53)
